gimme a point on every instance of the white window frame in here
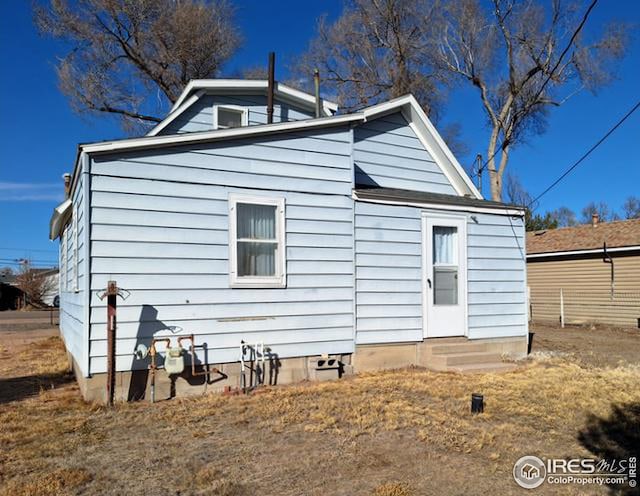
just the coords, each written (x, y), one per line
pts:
(74, 218)
(63, 260)
(244, 120)
(279, 280)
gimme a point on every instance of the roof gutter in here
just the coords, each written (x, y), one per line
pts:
(496, 210)
(583, 252)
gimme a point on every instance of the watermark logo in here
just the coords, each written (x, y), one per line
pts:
(529, 472)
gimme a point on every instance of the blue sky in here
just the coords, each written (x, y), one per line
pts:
(39, 132)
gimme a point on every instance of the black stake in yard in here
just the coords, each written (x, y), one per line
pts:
(112, 292)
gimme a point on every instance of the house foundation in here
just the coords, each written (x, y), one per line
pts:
(448, 354)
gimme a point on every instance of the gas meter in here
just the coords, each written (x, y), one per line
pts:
(174, 360)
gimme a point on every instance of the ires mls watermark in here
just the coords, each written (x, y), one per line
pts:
(530, 471)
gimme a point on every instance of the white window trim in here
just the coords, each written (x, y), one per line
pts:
(280, 279)
(63, 260)
(76, 286)
(244, 121)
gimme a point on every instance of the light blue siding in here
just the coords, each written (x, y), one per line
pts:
(387, 153)
(72, 296)
(199, 117)
(497, 276)
(160, 229)
(389, 274)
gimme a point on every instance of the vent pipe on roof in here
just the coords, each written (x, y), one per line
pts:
(594, 219)
(270, 87)
(66, 177)
(316, 80)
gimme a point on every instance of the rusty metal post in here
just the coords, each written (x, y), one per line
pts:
(316, 80)
(112, 294)
(270, 87)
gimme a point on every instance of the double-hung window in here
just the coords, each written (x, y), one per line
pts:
(256, 242)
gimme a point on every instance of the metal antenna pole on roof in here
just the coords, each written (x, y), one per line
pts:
(479, 171)
(316, 80)
(270, 87)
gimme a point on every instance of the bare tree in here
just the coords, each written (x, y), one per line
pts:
(129, 58)
(376, 50)
(524, 59)
(605, 214)
(631, 208)
(516, 194)
(565, 217)
(33, 284)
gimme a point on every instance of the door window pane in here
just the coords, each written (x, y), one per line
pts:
(445, 265)
(445, 285)
(444, 245)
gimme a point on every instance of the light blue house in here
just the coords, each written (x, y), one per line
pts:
(356, 237)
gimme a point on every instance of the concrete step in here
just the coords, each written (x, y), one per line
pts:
(472, 358)
(454, 348)
(452, 360)
(484, 368)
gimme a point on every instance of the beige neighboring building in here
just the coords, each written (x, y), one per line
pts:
(570, 273)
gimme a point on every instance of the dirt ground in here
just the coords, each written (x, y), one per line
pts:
(397, 433)
(597, 346)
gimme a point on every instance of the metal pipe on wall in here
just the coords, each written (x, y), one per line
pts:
(112, 294)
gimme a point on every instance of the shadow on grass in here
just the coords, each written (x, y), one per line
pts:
(616, 437)
(19, 388)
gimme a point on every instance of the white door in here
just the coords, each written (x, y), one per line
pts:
(445, 275)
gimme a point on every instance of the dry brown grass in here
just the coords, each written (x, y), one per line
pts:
(542, 406)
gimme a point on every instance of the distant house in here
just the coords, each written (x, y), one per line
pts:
(12, 297)
(598, 284)
(354, 236)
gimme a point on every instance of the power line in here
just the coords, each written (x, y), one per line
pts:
(586, 154)
(4, 248)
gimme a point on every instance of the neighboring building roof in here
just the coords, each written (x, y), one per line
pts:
(392, 195)
(624, 234)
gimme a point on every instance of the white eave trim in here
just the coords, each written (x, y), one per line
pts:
(59, 218)
(582, 252)
(238, 132)
(173, 115)
(513, 212)
(235, 85)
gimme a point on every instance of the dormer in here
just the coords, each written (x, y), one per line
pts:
(210, 104)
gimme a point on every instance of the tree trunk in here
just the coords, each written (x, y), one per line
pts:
(495, 178)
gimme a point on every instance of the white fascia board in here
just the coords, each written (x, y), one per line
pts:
(582, 252)
(238, 132)
(252, 85)
(430, 139)
(435, 144)
(173, 115)
(512, 212)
